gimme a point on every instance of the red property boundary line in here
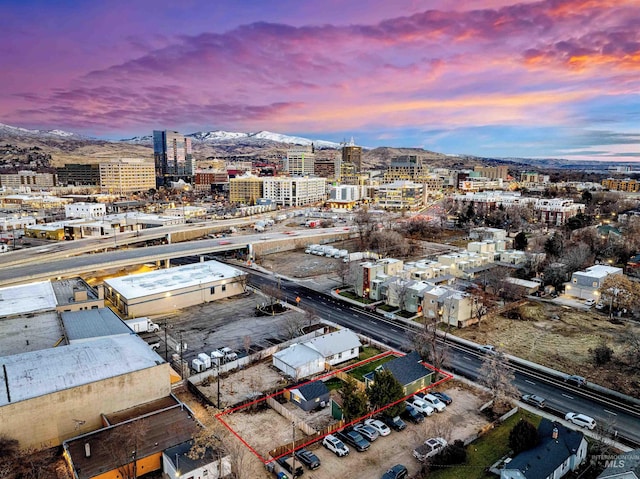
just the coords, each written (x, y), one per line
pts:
(445, 377)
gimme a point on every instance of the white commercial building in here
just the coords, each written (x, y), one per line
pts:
(300, 161)
(90, 211)
(167, 290)
(585, 284)
(297, 191)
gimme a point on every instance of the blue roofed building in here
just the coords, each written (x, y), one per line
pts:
(559, 451)
(408, 371)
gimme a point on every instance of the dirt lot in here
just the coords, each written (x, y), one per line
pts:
(561, 343)
(459, 421)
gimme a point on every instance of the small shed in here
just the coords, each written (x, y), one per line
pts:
(311, 395)
(177, 463)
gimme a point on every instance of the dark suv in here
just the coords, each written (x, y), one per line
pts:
(394, 423)
(411, 414)
(355, 439)
(396, 472)
(577, 381)
(308, 458)
(287, 463)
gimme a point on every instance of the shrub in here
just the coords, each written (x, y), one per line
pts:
(523, 436)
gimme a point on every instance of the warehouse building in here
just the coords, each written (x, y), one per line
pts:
(167, 290)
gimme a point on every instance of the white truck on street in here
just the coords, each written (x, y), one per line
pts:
(142, 325)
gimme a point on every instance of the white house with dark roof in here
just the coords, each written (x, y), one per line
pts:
(559, 451)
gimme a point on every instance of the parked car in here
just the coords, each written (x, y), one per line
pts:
(599, 305)
(429, 448)
(308, 458)
(355, 439)
(335, 445)
(287, 463)
(379, 426)
(534, 400)
(590, 302)
(368, 432)
(581, 420)
(578, 381)
(394, 423)
(420, 405)
(412, 414)
(396, 472)
(434, 402)
(445, 398)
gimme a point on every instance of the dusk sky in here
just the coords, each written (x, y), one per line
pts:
(553, 78)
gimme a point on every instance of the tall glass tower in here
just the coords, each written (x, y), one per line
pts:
(173, 157)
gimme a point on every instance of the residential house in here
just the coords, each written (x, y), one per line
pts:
(560, 450)
(299, 361)
(177, 464)
(336, 347)
(585, 284)
(309, 396)
(448, 306)
(623, 466)
(408, 371)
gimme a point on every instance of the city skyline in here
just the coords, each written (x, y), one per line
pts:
(554, 78)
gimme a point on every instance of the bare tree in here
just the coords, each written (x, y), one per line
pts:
(293, 324)
(497, 377)
(425, 341)
(389, 243)
(365, 226)
(122, 447)
(631, 342)
(273, 293)
(243, 280)
(619, 292)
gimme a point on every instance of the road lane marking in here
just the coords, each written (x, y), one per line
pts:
(610, 412)
(530, 382)
(567, 396)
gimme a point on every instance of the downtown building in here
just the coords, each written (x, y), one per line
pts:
(126, 176)
(173, 157)
(300, 161)
(298, 191)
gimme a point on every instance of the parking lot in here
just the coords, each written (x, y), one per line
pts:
(459, 421)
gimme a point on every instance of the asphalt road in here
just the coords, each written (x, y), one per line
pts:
(561, 398)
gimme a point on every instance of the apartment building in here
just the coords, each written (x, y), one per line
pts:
(343, 196)
(628, 185)
(400, 195)
(294, 191)
(246, 189)
(207, 181)
(91, 211)
(448, 306)
(126, 176)
(556, 211)
(78, 174)
(493, 172)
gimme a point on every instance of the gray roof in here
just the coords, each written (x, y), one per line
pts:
(334, 343)
(549, 454)
(37, 373)
(92, 323)
(626, 466)
(64, 289)
(312, 390)
(407, 369)
(179, 457)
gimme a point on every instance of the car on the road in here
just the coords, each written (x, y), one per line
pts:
(434, 402)
(578, 381)
(355, 439)
(488, 349)
(420, 405)
(535, 400)
(394, 422)
(445, 398)
(288, 464)
(308, 458)
(429, 448)
(396, 472)
(581, 420)
(368, 432)
(379, 426)
(335, 445)
(412, 414)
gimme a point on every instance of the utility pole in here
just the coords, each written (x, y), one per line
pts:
(166, 345)
(293, 450)
(218, 379)
(181, 350)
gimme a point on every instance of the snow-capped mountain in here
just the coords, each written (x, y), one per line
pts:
(8, 130)
(261, 138)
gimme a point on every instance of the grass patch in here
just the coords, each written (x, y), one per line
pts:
(368, 352)
(482, 453)
(387, 308)
(360, 371)
(353, 296)
(405, 314)
(334, 384)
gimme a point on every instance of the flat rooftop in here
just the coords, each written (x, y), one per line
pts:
(65, 288)
(29, 332)
(166, 280)
(163, 429)
(27, 298)
(36, 373)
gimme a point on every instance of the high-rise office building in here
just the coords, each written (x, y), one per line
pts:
(300, 160)
(352, 154)
(173, 157)
(126, 176)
